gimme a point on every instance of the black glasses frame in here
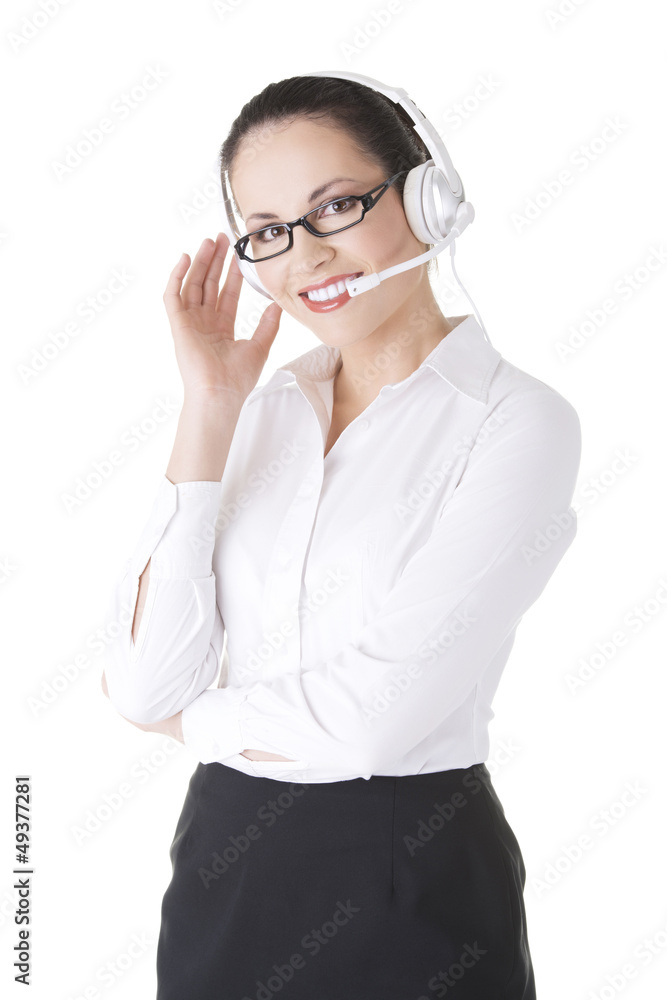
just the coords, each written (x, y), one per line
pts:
(367, 201)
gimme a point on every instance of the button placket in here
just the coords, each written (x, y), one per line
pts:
(280, 610)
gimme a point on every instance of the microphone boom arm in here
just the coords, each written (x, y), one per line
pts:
(355, 286)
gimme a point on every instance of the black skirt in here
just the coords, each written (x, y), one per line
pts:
(391, 888)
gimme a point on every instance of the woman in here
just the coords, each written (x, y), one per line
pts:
(367, 529)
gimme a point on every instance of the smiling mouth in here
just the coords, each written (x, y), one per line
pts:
(331, 291)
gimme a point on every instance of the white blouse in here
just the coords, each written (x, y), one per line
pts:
(369, 599)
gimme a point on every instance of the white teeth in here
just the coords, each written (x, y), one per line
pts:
(328, 292)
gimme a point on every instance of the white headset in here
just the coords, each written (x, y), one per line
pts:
(433, 199)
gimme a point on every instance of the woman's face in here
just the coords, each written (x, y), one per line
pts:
(277, 175)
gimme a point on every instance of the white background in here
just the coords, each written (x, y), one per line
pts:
(551, 85)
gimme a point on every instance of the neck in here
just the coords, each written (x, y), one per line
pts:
(390, 353)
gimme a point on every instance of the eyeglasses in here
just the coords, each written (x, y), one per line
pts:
(279, 238)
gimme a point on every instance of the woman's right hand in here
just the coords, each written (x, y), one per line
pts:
(202, 322)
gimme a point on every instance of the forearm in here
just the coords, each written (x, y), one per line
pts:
(204, 436)
(173, 727)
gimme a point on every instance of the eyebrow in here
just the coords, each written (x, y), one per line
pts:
(313, 196)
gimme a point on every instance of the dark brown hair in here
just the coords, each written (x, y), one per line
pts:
(379, 129)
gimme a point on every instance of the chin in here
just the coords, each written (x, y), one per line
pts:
(341, 337)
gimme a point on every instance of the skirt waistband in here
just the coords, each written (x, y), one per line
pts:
(440, 781)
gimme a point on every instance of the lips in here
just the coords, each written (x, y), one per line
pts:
(329, 303)
(334, 279)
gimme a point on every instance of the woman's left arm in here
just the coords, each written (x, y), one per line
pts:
(173, 727)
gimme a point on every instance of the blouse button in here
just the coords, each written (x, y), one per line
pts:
(365, 424)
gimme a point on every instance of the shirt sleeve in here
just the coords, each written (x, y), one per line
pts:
(496, 543)
(181, 633)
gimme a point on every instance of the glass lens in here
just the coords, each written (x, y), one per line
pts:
(335, 215)
(267, 241)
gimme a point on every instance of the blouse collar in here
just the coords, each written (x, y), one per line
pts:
(464, 358)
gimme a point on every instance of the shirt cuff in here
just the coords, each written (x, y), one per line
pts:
(180, 535)
(212, 724)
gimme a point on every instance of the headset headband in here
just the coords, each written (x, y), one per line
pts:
(421, 124)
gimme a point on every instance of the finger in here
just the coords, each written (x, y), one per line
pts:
(212, 279)
(267, 328)
(192, 287)
(172, 296)
(228, 299)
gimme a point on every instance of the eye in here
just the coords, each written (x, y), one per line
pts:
(345, 202)
(265, 234)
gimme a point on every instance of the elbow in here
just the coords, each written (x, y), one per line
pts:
(160, 686)
(137, 707)
(140, 713)
(149, 703)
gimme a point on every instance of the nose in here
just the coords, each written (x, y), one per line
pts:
(308, 250)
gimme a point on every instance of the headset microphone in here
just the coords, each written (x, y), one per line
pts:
(464, 216)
